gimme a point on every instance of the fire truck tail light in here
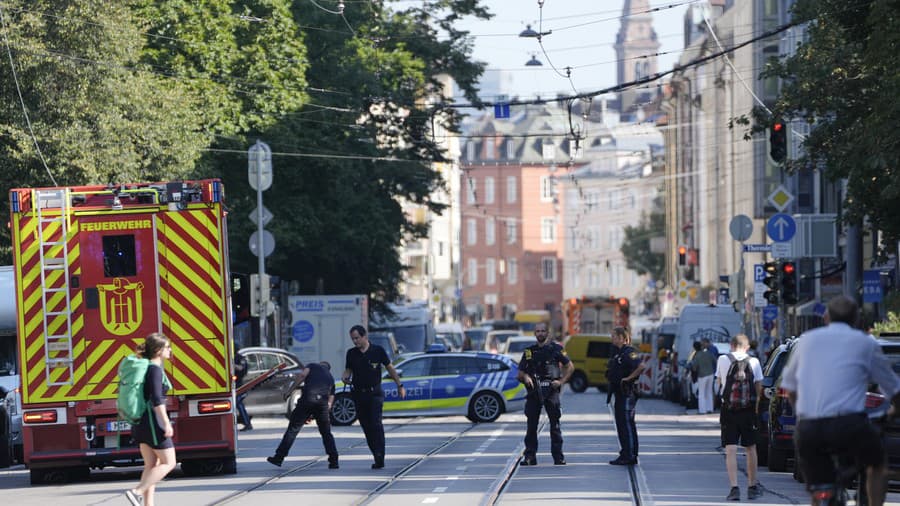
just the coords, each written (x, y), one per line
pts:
(207, 407)
(36, 417)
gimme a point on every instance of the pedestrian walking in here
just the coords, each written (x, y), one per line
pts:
(316, 400)
(363, 373)
(154, 431)
(827, 376)
(705, 365)
(739, 378)
(625, 367)
(240, 372)
(543, 369)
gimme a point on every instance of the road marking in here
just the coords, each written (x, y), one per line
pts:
(470, 459)
(439, 490)
(430, 500)
(462, 468)
(453, 477)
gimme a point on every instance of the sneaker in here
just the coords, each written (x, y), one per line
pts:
(379, 462)
(734, 495)
(134, 499)
(275, 461)
(559, 462)
(623, 462)
(528, 461)
(333, 463)
(246, 428)
(754, 491)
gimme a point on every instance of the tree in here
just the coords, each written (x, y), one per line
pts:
(843, 81)
(636, 246)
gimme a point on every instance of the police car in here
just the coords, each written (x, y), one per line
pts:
(478, 385)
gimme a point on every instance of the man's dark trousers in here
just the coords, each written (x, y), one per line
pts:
(626, 426)
(369, 407)
(533, 412)
(302, 412)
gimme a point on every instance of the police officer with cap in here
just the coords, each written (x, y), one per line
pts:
(544, 369)
(625, 367)
(315, 402)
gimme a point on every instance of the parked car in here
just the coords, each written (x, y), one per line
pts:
(495, 339)
(771, 372)
(590, 357)
(384, 339)
(515, 346)
(272, 396)
(479, 385)
(451, 334)
(475, 337)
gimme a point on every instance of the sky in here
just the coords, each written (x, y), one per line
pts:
(587, 49)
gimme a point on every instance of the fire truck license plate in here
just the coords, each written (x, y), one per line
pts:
(119, 425)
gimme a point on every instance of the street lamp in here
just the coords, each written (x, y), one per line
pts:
(529, 33)
(533, 62)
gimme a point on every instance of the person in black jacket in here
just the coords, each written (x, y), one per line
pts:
(625, 367)
(315, 401)
(240, 372)
(364, 362)
(154, 432)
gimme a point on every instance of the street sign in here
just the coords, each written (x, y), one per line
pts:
(872, 289)
(759, 288)
(501, 110)
(782, 250)
(268, 243)
(757, 248)
(769, 313)
(781, 198)
(259, 160)
(741, 226)
(781, 227)
(266, 216)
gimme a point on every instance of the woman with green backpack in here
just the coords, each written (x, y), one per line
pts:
(154, 430)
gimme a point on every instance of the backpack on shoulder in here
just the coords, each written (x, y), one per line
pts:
(739, 393)
(130, 402)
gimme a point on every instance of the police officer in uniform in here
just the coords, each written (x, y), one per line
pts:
(364, 362)
(625, 367)
(315, 401)
(540, 371)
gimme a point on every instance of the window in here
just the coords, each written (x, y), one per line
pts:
(512, 230)
(598, 349)
(470, 194)
(490, 271)
(488, 190)
(573, 239)
(440, 248)
(447, 366)
(472, 271)
(548, 269)
(416, 367)
(512, 189)
(118, 256)
(470, 150)
(471, 231)
(489, 231)
(615, 274)
(593, 278)
(512, 271)
(489, 149)
(546, 188)
(510, 149)
(481, 365)
(615, 238)
(548, 230)
(614, 198)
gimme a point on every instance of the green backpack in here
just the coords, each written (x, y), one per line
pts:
(131, 403)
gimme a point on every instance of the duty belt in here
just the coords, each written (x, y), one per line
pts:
(545, 382)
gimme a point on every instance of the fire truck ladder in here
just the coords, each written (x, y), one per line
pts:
(54, 256)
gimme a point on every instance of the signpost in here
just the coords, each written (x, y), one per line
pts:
(872, 289)
(759, 288)
(259, 173)
(781, 228)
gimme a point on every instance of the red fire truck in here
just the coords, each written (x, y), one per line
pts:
(594, 315)
(97, 268)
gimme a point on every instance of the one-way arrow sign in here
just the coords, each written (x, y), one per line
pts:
(781, 227)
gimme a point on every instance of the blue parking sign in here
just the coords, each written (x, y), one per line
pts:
(872, 290)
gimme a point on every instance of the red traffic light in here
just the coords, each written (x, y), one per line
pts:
(788, 268)
(623, 302)
(682, 250)
(778, 126)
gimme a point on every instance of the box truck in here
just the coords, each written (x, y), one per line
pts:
(320, 327)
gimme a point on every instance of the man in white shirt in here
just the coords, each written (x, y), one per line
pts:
(827, 377)
(739, 411)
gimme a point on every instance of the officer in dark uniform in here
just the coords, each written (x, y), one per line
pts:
(540, 371)
(315, 401)
(240, 372)
(364, 363)
(625, 367)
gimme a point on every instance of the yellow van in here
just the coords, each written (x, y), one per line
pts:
(527, 319)
(589, 354)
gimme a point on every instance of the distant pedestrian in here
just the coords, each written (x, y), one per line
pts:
(625, 367)
(739, 378)
(363, 373)
(154, 432)
(315, 401)
(240, 372)
(543, 369)
(705, 366)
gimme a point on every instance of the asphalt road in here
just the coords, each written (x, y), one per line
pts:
(452, 461)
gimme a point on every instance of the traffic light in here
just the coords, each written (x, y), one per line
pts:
(789, 283)
(772, 281)
(682, 255)
(623, 306)
(778, 141)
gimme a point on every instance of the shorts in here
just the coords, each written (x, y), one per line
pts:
(818, 439)
(739, 427)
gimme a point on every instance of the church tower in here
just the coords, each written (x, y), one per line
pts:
(635, 40)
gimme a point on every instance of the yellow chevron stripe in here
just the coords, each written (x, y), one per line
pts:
(195, 367)
(209, 283)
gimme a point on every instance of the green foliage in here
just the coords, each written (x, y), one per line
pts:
(891, 324)
(636, 246)
(843, 81)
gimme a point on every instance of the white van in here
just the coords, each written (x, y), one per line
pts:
(718, 323)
